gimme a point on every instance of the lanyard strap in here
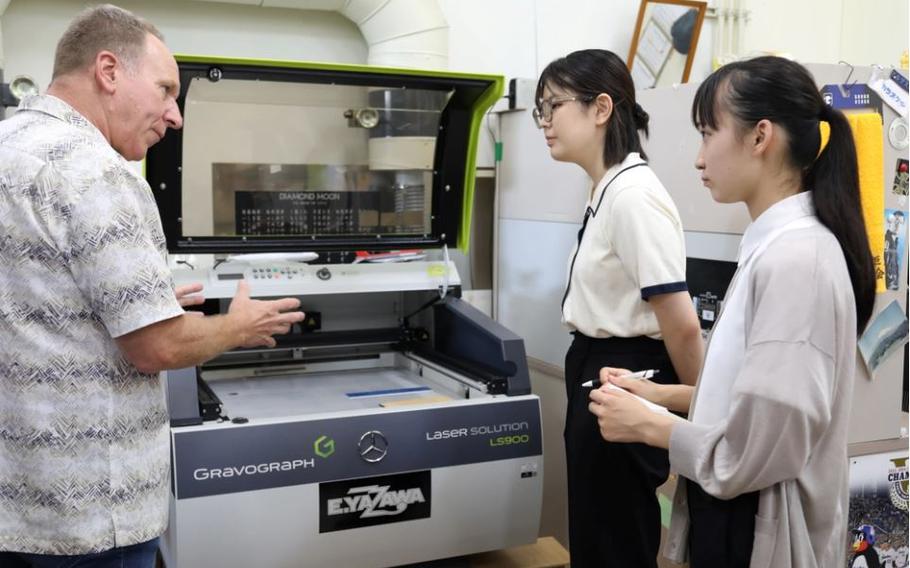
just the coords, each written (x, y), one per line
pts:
(584, 223)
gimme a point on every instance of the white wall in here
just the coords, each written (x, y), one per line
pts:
(827, 31)
(518, 38)
(874, 37)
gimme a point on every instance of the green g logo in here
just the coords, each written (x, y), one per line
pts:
(324, 446)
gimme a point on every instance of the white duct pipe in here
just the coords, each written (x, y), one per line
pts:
(398, 33)
(402, 33)
(717, 47)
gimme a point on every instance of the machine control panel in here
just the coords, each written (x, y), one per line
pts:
(295, 278)
(277, 273)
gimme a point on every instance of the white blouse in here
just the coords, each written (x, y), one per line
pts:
(726, 346)
(632, 248)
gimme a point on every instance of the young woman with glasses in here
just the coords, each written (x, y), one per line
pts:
(625, 302)
(764, 455)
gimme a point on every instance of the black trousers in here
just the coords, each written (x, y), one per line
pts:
(614, 516)
(720, 531)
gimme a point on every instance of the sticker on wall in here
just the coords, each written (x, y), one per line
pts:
(877, 522)
(886, 333)
(900, 177)
(891, 93)
(851, 97)
(895, 243)
(900, 80)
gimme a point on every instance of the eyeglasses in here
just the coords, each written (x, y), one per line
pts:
(544, 110)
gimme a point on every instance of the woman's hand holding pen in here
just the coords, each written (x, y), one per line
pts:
(642, 387)
(619, 415)
(674, 397)
(622, 418)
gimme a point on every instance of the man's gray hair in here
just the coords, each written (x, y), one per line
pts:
(99, 28)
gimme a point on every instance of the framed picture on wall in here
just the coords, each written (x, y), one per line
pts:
(664, 41)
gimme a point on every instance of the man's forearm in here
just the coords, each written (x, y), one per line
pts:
(197, 339)
(183, 341)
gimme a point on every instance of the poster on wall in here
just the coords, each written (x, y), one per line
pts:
(895, 243)
(877, 522)
(885, 334)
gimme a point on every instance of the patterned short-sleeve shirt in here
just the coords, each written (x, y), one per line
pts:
(83, 434)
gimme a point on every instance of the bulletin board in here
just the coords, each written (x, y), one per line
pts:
(879, 411)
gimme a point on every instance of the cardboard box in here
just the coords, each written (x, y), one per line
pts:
(545, 553)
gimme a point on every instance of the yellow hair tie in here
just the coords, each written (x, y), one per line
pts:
(825, 130)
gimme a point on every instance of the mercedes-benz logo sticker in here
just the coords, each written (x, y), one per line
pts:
(373, 446)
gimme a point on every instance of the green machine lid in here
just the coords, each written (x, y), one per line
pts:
(285, 156)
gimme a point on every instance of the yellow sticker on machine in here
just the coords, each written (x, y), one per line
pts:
(436, 270)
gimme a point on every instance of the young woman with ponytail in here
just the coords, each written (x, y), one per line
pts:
(625, 301)
(763, 457)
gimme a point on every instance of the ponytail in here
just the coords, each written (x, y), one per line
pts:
(834, 181)
(641, 118)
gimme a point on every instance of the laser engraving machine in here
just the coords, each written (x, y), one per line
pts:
(395, 424)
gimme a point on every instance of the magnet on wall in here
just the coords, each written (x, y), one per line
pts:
(899, 133)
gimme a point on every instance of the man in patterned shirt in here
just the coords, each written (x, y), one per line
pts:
(88, 313)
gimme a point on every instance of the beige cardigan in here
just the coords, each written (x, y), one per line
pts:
(786, 432)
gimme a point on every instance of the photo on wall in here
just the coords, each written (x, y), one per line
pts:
(885, 334)
(895, 244)
(877, 522)
(901, 177)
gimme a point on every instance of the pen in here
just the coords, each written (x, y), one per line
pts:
(647, 374)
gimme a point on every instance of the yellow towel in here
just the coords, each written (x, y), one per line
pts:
(867, 134)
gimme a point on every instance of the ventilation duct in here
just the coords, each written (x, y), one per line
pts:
(398, 33)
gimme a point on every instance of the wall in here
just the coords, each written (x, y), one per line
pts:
(877, 37)
(828, 31)
(518, 38)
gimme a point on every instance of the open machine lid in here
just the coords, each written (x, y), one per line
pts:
(281, 156)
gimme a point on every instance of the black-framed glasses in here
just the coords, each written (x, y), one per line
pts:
(543, 112)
